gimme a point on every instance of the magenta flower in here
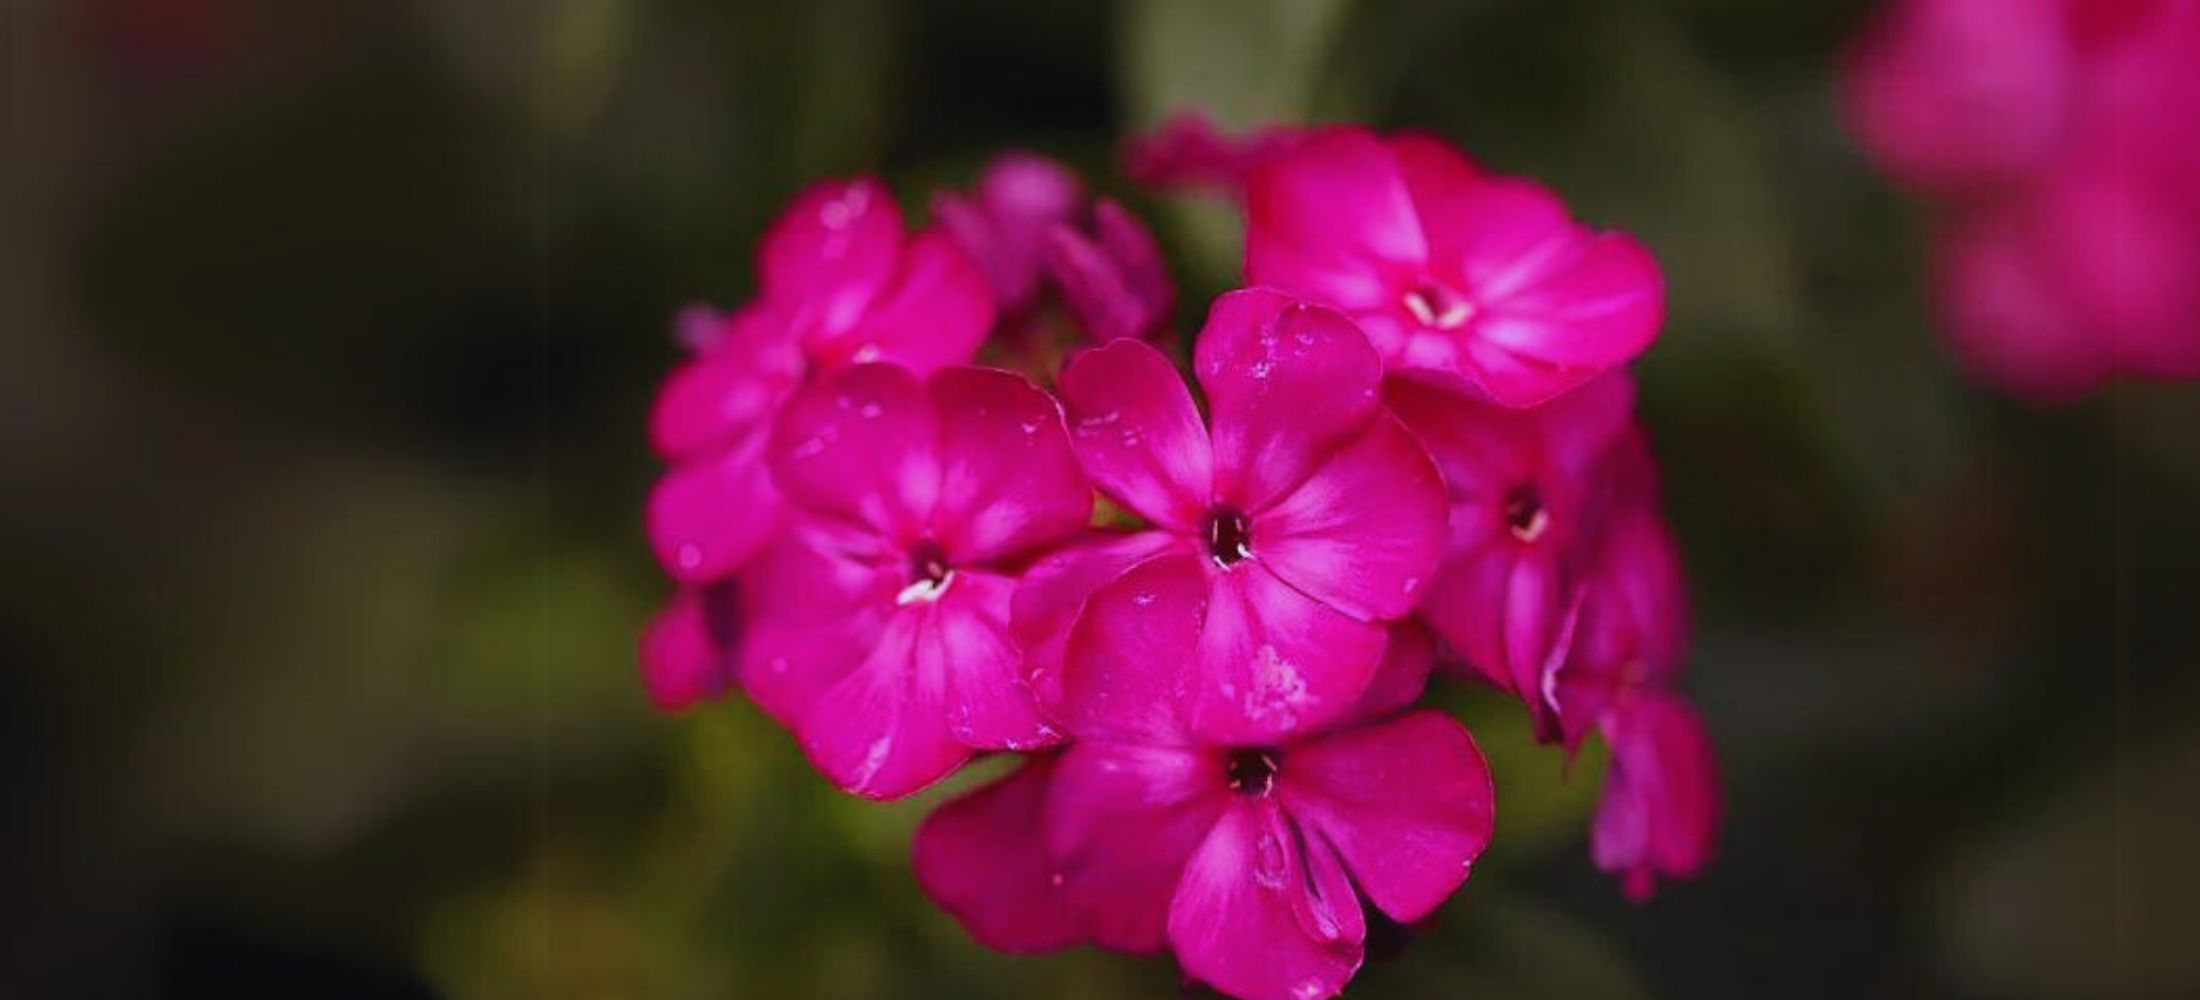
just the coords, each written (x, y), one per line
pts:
(1112, 279)
(838, 282)
(2057, 140)
(878, 620)
(1309, 515)
(1528, 491)
(1659, 813)
(1955, 93)
(1004, 221)
(1027, 222)
(1481, 280)
(1187, 151)
(691, 650)
(1248, 860)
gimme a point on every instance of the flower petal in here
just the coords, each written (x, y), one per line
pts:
(1121, 820)
(728, 393)
(1287, 384)
(813, 612)
(860, 445)
(1135, 429)
(1408, 658)
(989, 704)
(1332, 220)
(831, 253)
(1556, 302)
(882, 731)
(706, 518)
(690, 651)
(1659, 814)
(1271, 661)
(1408, 803)
(1262, 914)
(1125, 661)
(1008, 479)
(982, 857)
(937, 312)
(1051, 595)
(1363, 533)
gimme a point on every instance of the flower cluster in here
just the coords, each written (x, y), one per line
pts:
(2058, 143)
(1408, 442)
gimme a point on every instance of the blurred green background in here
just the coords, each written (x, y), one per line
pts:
(327, 331)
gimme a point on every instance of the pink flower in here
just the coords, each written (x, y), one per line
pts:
(838, 282)
(1528, 490)
(1955, 93)
(1309, 515)
(1249, 861)
(2057, 140)
(1481, 280)
(1659, 813)
(1186, 151)
(1004, 221)
(1112, 279)
(1028, 224)
(878, 619)
(690, 650)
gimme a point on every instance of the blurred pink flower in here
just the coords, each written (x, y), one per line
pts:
(1249, 862)
(1307, 514)
(1659, 814)
(1186, 151)
(1112, 279)
(878, 617)
(2057, 140)
(1481, 280)
(1003, 222)
(1529, 493)
(690, 651)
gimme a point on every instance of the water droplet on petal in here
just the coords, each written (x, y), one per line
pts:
(1268, 862)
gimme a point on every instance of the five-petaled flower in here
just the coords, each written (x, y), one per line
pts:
(1481, 280)
(1249, 861)
(878, 624)
(1309, 515)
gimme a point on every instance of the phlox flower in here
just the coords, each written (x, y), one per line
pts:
(1249, 862)
(1309, 515)
(1659, 811)
(1028, 223)
(2056, 142)
(1529, 494)
(877, 623)
(838, 282)
(1480, 280)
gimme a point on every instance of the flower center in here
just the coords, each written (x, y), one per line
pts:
(1434, 305)
(929, 574)
(1251, 771)
(1525, 514)
(1229, 536)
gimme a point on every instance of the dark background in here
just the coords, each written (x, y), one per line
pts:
(327, 331)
